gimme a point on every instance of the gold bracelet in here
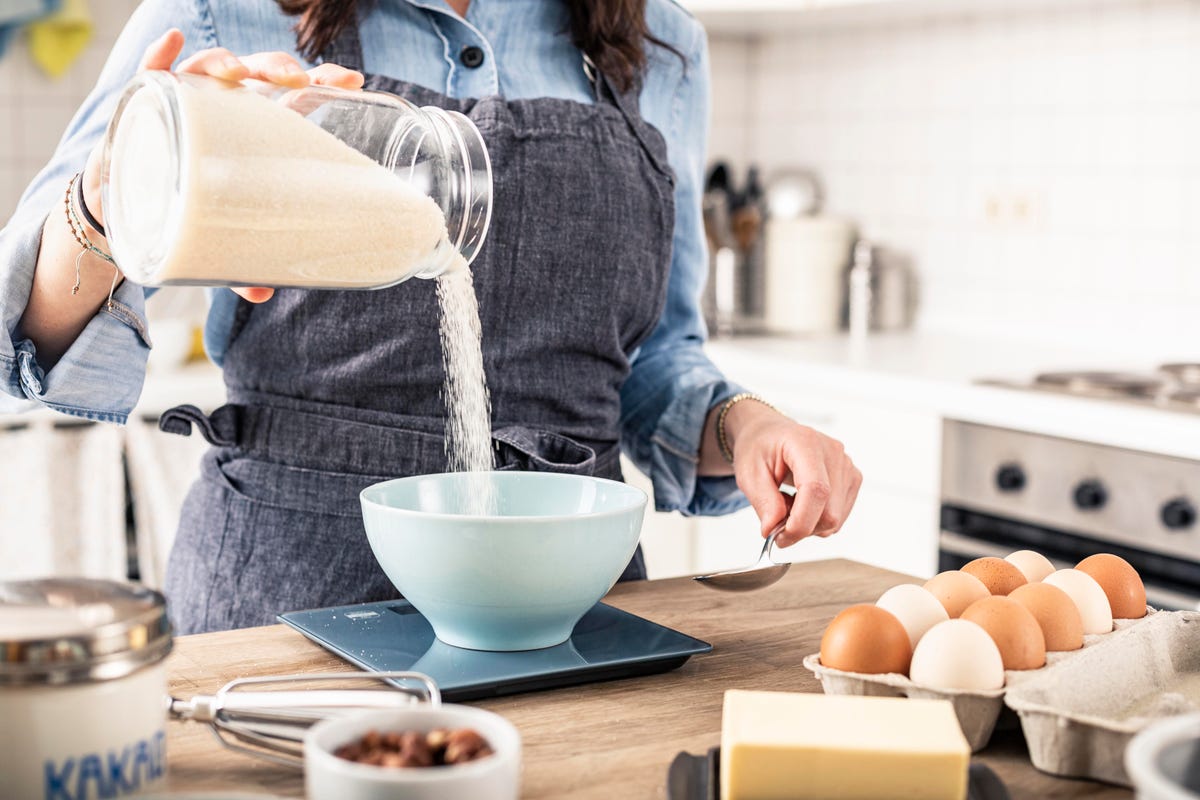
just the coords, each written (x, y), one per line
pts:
(722, 437)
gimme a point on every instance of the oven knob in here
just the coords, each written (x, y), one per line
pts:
(1010, 478)
(1178, 514)
(1090, 496)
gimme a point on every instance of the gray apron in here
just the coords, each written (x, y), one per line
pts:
(330, 391)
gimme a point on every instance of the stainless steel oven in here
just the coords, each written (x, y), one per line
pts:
(1004, 490)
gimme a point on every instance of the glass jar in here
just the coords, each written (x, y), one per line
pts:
(212, 183)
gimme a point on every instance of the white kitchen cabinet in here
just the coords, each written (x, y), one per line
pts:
(895, 521)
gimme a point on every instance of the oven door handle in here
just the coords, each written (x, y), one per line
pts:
(1156, 596)
(967, 546)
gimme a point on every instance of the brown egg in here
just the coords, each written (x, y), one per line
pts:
(1120, 582)
(956, 590)
(998, 575)
(1014, 630)
(1056, 613)
(865, 638)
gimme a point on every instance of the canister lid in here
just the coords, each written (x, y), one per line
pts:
(75, 630)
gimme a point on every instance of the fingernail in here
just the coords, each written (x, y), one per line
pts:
(230, 63)
(292, 69)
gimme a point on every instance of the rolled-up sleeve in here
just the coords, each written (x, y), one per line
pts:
(673, 385)
(100, 376)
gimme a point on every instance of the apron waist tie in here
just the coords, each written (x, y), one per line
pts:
(320, 441)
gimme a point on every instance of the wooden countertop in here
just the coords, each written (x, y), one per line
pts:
(601, 740)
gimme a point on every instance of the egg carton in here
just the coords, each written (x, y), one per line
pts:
(1079, 715)
(977, 711)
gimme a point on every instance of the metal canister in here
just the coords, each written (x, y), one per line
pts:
(82, 688)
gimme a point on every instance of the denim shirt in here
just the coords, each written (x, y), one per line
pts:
(527, 53)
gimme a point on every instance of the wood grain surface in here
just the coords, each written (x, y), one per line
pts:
(606, 740)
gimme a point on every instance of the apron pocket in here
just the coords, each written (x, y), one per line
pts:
(519, 448)
(293, 488)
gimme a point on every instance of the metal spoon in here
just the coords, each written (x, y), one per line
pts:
(762, 573)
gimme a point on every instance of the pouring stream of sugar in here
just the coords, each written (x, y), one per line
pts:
(468, 406)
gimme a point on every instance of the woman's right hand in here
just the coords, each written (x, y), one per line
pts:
(279, 68)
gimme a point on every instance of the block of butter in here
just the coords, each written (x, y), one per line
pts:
(792, 746)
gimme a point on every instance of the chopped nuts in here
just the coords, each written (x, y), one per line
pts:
(439, 747)
(465, 745)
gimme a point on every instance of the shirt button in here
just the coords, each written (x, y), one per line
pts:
(471, 57)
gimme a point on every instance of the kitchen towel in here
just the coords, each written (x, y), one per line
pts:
(62, 500)
(16, 13)
(56, 41)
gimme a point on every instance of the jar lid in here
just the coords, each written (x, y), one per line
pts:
(75, 630)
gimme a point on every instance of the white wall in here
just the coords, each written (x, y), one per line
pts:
(35, 109)
(1041, 165)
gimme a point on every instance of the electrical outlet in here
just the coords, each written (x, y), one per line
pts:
(1013, 209)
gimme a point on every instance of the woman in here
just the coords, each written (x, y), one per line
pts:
(588, 287)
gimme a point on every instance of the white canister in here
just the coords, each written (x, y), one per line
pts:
(82, 688)
(806, 261)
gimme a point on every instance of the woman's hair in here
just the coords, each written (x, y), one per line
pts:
(612, 33)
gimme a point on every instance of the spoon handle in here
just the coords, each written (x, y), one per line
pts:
(770, 543)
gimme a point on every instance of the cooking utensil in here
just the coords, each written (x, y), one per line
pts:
(717, 200)
(793, 194)
(271, 723)
(881, 290)
(762, 573)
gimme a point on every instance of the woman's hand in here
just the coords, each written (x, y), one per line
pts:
(279, 68)
(770, 450)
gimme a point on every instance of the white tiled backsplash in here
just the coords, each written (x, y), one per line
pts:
(1042, 167)
(35, 109)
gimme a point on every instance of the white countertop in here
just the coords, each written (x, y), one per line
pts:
(938, 373)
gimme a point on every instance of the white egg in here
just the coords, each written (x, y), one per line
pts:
(1088, 597)
(957, 654)
(916, 608)
(1034, 566)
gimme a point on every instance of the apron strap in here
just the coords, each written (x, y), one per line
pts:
(311, 440)
(219, 430)
(345, 50)
(627, 103)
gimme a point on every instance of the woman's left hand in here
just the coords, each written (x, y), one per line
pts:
(770, 450)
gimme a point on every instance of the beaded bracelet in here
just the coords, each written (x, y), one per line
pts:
(77, 229)
(722, 436)
(81, 238)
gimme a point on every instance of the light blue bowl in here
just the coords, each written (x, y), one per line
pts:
(518, 580)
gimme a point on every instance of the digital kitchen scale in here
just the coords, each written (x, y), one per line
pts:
(393, 636)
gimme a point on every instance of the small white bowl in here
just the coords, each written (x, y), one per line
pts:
(496, 777)
(1159, 756)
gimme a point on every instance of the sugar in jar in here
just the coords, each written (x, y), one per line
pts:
(207, 182)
